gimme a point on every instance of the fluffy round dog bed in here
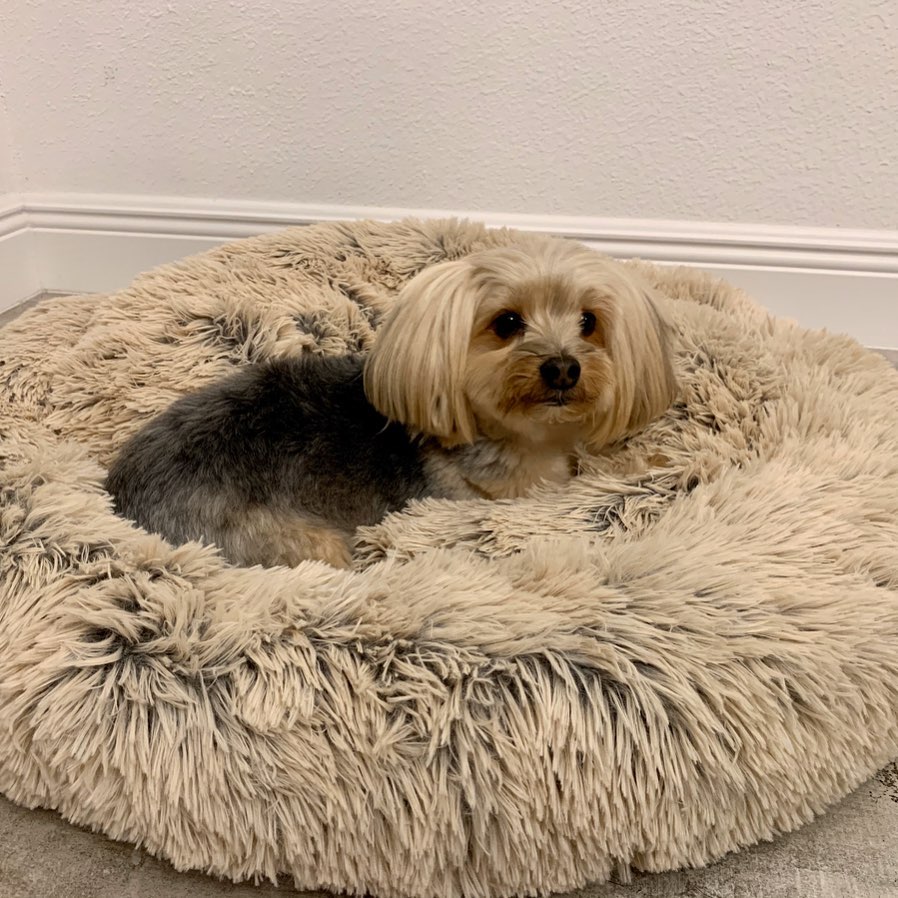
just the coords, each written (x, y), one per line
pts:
(691, 648)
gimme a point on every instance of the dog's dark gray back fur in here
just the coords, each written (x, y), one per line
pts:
(296, 435)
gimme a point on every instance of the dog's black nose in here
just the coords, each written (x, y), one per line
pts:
(560, 373)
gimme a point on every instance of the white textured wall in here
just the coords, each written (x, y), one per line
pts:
(8, 176)
(759, 111)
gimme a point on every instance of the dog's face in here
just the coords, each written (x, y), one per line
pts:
(546, 341)
(538, 359)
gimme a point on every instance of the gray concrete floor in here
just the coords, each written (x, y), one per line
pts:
(847, 853)
(7, 315)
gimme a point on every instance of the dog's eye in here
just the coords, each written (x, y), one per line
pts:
(587, 324)
(507, 325)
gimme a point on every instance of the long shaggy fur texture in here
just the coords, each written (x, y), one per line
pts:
(689, 648)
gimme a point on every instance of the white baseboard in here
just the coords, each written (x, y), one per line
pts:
(19, 278)
(846, 281)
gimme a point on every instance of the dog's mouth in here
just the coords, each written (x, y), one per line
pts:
(547, 401)
(558, 399)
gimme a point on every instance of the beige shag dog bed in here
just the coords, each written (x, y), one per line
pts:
(691, 648)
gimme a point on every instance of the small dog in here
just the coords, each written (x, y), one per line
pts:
(487, 374)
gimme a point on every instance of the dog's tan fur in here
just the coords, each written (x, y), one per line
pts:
(282, 536)
(439, 366)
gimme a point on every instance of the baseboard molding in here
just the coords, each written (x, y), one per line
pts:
(843, 280)
(19, 276)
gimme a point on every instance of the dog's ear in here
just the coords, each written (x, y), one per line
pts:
(644, 385)
(415, 372)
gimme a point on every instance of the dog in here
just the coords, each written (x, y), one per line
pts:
(486, 376)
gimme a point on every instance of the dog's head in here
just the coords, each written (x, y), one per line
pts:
(545, 341)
